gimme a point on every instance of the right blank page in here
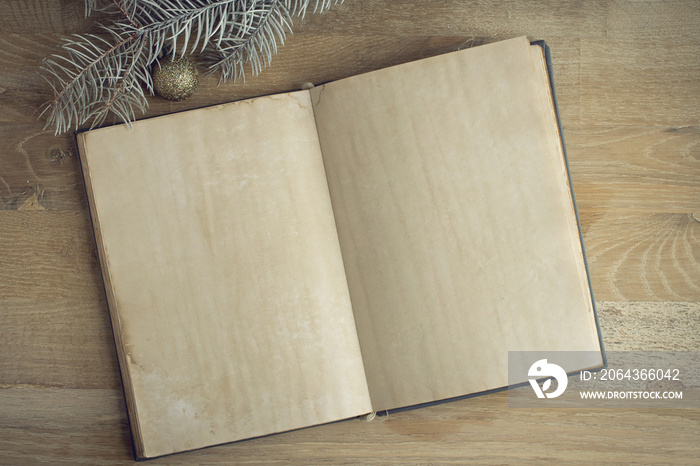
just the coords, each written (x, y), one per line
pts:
(455, 220)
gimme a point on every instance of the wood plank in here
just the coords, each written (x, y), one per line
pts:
(50, 17)
(35, 423)
(649, 326)
(661, 19)
(39, 171)
(498, 20)
(640, 81)
(54, 326)
(27, 16)
(566, 59)
(22, 90)
(64, 426)
(447, 17)
(643, 257)
(654, 19)
(642, 169)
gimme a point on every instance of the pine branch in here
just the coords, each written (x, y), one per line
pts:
(255, 41)
(98, 77)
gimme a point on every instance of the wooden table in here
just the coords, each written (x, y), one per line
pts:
(628, 81)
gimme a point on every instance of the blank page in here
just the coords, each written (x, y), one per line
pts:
(455, 220)
(223, 274)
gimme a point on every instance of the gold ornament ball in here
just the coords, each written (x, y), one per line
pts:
(175, 79)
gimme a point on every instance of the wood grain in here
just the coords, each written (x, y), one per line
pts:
(39, 171)
(54, 327)
(655, 260)
(640, 169)
(453, 17)
(627, 75)
(637, 81)
(36, 424)
(27, 16)
(657, 20)
(649, 326)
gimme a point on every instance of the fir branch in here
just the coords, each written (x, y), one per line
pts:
(255, 40)
(98, 77)
(94, 81)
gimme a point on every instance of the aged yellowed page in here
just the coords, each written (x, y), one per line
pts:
(223, 274)
(455, 221)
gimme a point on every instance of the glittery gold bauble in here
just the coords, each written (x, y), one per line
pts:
(175, 79)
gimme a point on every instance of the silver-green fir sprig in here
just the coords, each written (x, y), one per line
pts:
(99, 76)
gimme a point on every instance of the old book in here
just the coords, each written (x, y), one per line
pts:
(372, 243)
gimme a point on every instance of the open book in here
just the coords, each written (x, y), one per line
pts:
(372, 243)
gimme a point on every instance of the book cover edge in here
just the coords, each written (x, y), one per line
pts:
(550, 74)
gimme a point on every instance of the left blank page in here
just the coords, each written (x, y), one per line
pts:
(223, 273)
